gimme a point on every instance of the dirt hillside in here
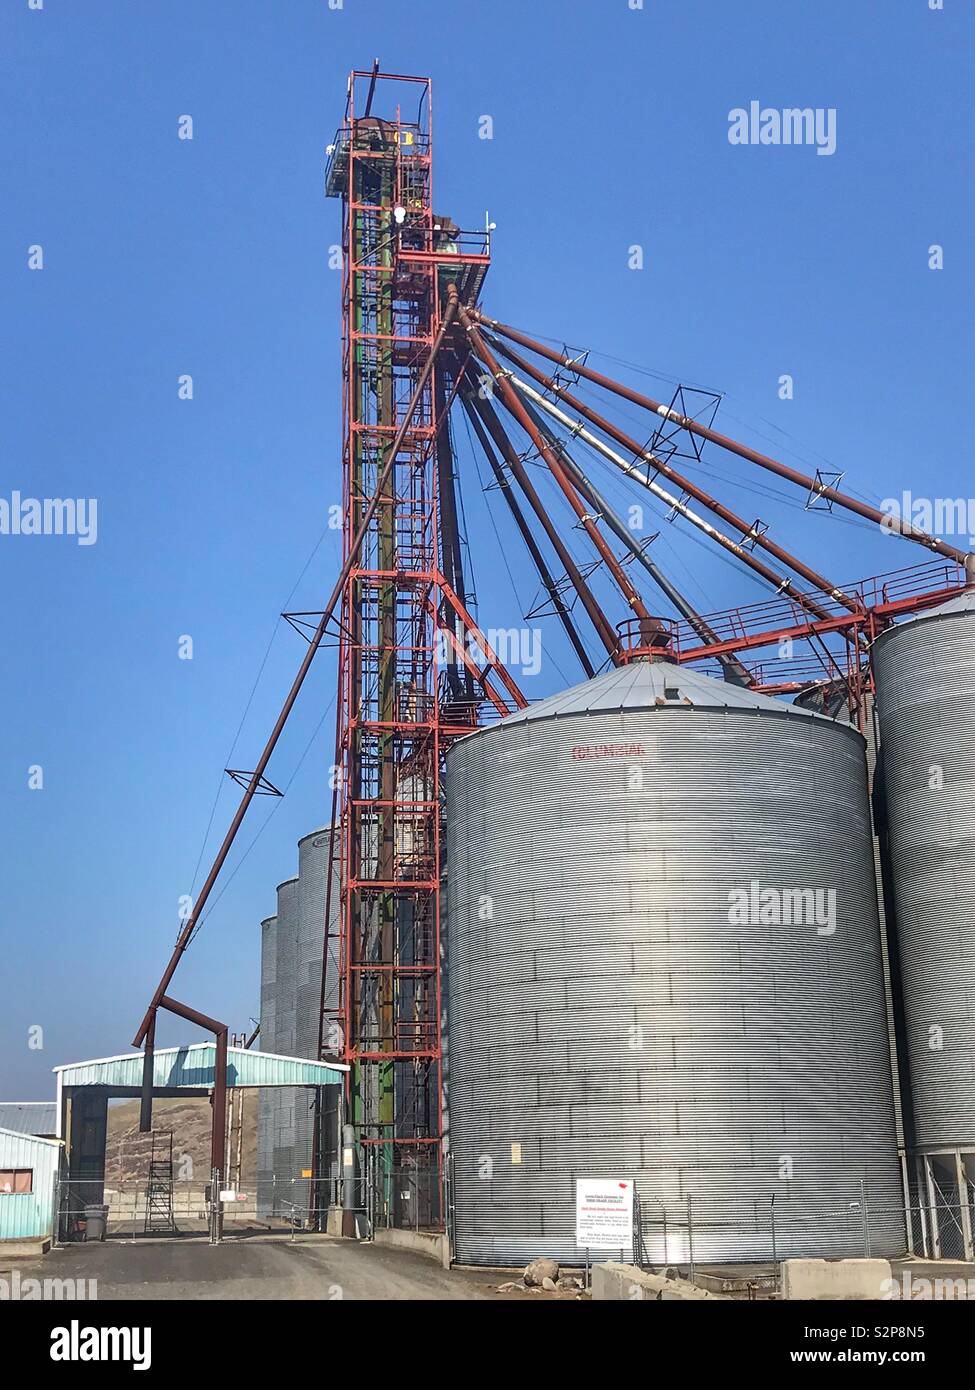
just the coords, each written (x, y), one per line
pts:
(127, 1151)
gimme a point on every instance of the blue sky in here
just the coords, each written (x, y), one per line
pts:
(210, 257)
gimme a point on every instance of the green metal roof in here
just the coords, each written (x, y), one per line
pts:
(194, 1066)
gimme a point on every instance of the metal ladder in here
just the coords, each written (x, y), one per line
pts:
(159, 1189)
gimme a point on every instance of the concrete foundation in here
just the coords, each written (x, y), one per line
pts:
(835, 1279)
(23, 1249)
(434, 1245)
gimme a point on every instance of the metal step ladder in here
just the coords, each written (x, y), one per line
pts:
(159, 1189)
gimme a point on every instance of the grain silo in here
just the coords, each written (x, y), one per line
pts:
(925, 677)
(665, 967)
(285, 1035)
(267, 1099)
(313, 939)
(292, 945)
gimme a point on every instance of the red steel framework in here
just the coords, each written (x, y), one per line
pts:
(414, 670)
(407, 680)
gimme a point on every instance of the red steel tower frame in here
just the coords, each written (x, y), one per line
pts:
(408, 681)
(414, 670)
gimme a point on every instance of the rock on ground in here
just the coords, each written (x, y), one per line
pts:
(540, 1270)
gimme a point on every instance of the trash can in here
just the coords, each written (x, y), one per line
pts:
(96, 1220)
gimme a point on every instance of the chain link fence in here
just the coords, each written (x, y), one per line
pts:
(131, 1210)
(688, 1235)
(697, 1233)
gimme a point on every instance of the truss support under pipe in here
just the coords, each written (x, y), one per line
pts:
(815, 487)
(524, 530)
(251, 789)
(600, 622)
(513, 403)
(733, 668)
(752, 532)
(779, 582)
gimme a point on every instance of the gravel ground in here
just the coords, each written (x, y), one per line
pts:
(313, 1267)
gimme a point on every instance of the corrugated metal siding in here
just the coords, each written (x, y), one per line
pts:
(312, 866)
(611, 914)
(40, 1117)
(26, 1215)
(285, 1014)
(925, 672)
(291, 977)
(267, 1099)
(193, 1066)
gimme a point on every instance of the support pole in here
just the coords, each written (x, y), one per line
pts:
(815, 487)
(218, 1120)
(148, 1069)
(251, 789)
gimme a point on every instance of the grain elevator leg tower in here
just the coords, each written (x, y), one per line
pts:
(407, 684)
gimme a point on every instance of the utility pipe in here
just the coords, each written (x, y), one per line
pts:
(816, 488)
(251, 789)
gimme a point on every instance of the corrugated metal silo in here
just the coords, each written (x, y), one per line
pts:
(313, 853)
(925, 676)
(267, 1098)
(610, 1015)
(285, 1033)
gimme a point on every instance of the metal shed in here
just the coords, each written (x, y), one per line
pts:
(178, 1068)
(28, 1167)
(38, 1117)
(85, 1088)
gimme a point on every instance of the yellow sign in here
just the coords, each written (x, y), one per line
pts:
(306, 1172)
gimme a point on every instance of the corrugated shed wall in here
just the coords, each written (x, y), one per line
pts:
(28, 1215)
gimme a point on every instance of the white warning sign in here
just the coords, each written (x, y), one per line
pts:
(604, 1214)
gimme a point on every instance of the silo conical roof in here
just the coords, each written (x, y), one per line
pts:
(645, 685)
(960, 603)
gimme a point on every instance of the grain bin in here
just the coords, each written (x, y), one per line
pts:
(925, 677)
(285, 1034)
(267, 1099)
(313, 939)
(664, 966)
(292, 947)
